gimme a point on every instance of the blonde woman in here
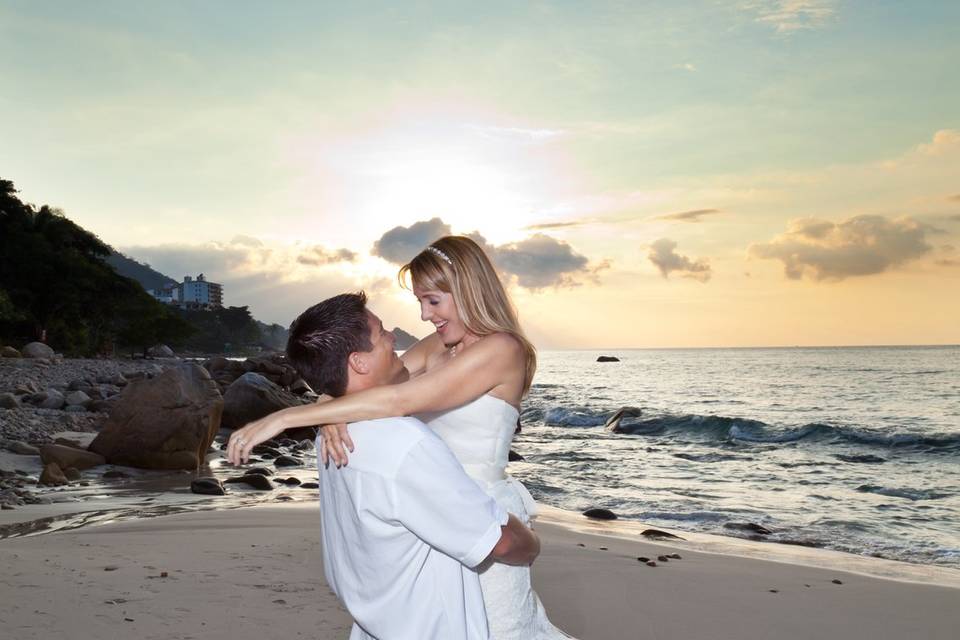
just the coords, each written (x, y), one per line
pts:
(466, 383)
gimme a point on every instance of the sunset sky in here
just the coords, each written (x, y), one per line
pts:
(650, 174)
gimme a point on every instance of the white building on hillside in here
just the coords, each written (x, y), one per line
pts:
(200, 294)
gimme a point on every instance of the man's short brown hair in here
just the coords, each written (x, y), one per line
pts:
(323, 337)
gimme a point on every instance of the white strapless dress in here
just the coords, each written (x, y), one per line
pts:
(479, 433)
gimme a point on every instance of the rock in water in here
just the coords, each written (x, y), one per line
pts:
(251, 397)
(613, 423)
(608, 359)
(254, 480)
(748, 526)
(37, 350)
(600, 514)
(167, 422)
(656, 534)
(72, 473)
(513, 456)
(208, 486)
(70, 457)
(263, 471)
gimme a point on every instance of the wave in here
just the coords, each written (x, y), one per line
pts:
(727, 429)
(909, 494)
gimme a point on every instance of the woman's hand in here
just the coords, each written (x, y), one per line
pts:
(242, 441)
(335, 443)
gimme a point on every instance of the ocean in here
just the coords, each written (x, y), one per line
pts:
(849, 448)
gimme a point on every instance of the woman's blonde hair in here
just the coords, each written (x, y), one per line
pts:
(458, 266)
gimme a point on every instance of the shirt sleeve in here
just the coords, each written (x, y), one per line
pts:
(441, 505)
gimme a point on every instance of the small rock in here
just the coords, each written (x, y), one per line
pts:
(774, 591)
(291, 481)
(263, 471)
(286, 461)
(111, 567)
(78, 398)
(9, 352)
(600, 514)
(21, 448)
(643, 559)
(114, 473)
(748, 526)
(9, 401)
(656, 534)
(651, 563)
(164, 574)
(608, 359)
(309, 485)
(66, 456)
(663, 558)
(161, 351)
(603, 549)
(37, 350)
(52, 475)
(51, 399)
(580, 544)
(72, 473)
(254, 480)
(675, 556)
(207, 486)
(513, 456)
(835, 581)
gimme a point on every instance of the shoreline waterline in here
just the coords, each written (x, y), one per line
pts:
(63, 517)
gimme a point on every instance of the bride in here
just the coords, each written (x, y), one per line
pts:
(466, 383)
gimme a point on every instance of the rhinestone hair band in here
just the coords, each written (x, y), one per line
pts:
(440, 254)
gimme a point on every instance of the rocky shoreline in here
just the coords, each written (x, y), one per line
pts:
(165, 413)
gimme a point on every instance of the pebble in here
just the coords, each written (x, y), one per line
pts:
(663, 558)
(651, 564)
(835, 581)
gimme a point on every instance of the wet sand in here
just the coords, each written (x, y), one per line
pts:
(256, 573)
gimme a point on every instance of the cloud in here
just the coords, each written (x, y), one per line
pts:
(555, 225)
(318, 256)
(534, 263)
(246, 241)
(791, 15)
(540, 261)
(860, 246)
(400, 244)
(688, 216)
(664, 256)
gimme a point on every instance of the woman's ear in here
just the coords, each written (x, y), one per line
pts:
(358, 363)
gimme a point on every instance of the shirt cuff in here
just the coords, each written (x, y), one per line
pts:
(488, 541)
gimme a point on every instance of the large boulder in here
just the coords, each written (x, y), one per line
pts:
(251, 397)
(66, 456)
(37, 350)
(167, 422)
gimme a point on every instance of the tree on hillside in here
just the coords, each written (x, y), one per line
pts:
(54, 276)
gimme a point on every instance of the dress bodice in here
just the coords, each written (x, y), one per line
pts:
(479, 433)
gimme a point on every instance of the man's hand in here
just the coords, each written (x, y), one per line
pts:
(518, 544)
(242, 441)
(334, 442)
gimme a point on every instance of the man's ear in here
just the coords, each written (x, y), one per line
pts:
(358, 363)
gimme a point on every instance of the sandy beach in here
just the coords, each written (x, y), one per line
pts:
(256, 573)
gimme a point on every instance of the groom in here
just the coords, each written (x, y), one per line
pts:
(402, 524)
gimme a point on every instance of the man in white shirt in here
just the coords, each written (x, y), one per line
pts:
(402, 524)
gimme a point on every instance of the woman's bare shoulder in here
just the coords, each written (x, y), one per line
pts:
(503, 343)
